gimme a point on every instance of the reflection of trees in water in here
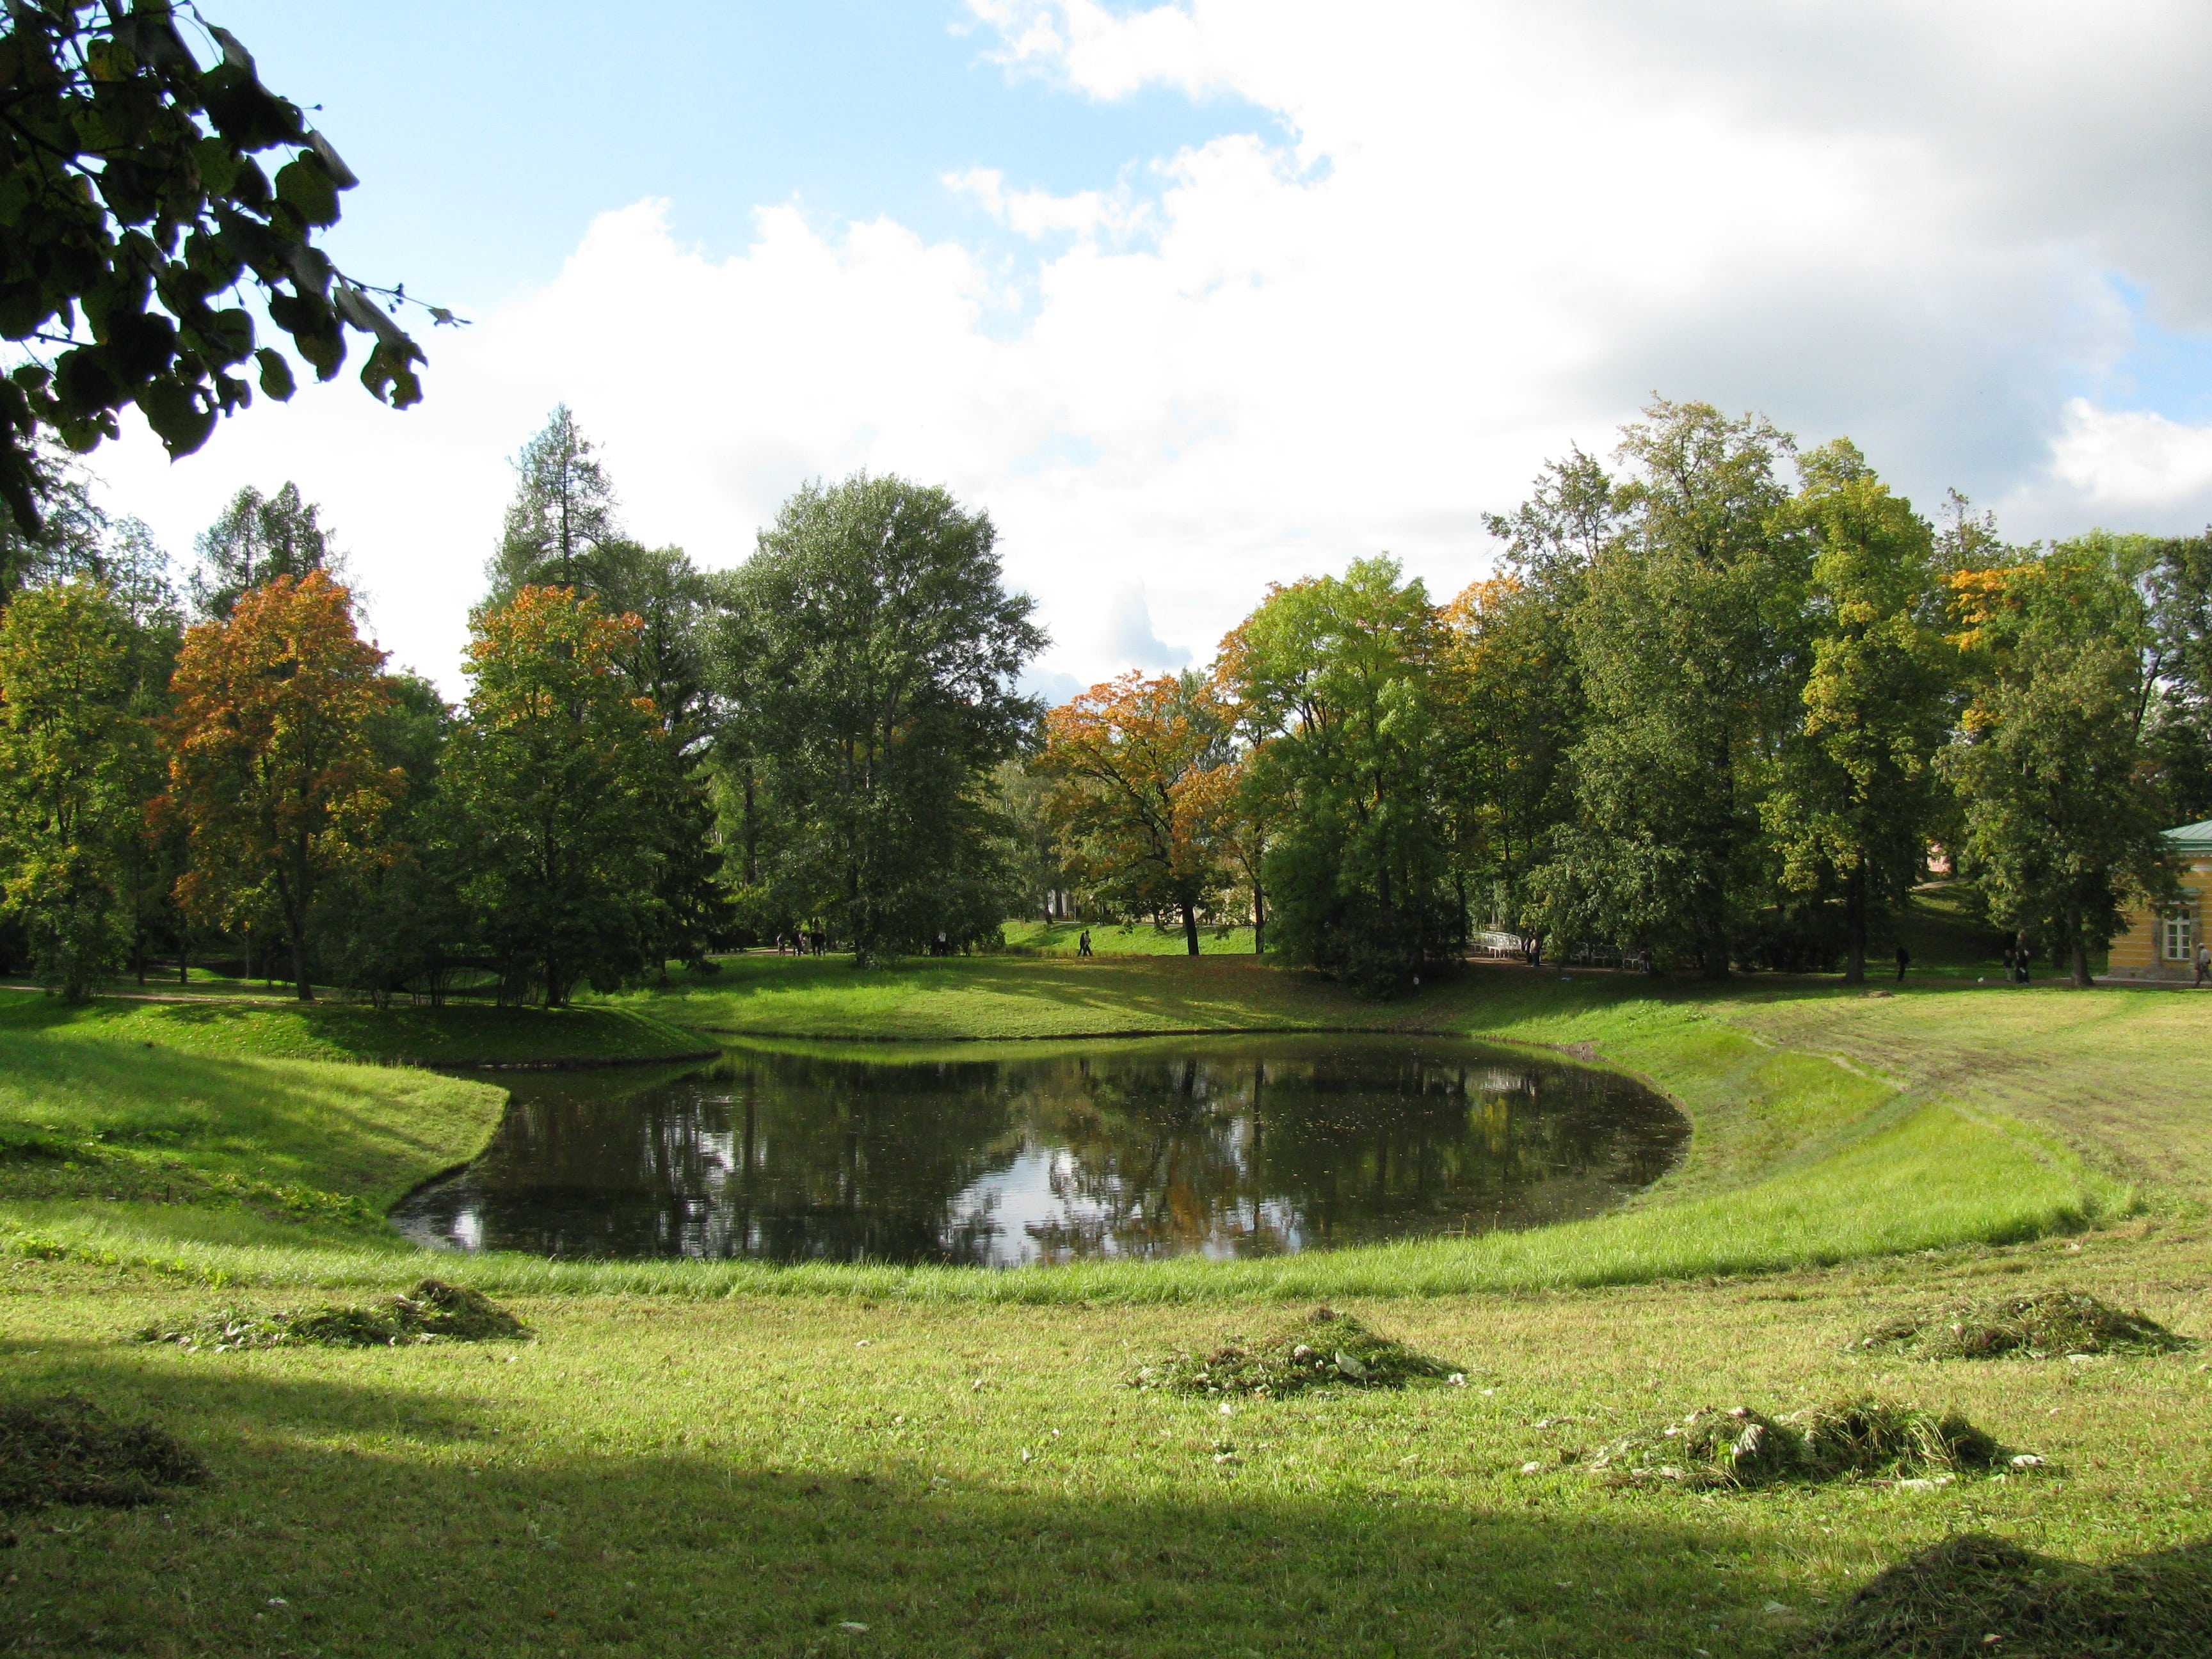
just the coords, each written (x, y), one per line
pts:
(1262, 1155)
(1225, 1147)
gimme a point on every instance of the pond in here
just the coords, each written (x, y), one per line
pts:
(1223, 1146)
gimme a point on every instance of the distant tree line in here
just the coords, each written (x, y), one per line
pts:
(1698, 718)
(1704, 716)
(651, 762)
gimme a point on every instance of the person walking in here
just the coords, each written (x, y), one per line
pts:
(1904, 962)
(1082, 943)
(2204, 961)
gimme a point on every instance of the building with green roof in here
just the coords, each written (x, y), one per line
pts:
(2162, 943)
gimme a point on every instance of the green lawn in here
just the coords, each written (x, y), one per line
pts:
(1114, 939)
(725, 1459)
(455, 1036)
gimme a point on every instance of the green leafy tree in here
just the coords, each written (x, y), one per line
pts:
(561, 519)
(2063, 813)
(1856, 800)
(257, 539)
(550, 779)
(77, 762)
(1333, 680)
(879, 649)
(70, 531)
(2177, 686)
(665, 661)
(394, 919)
(1510, 707)
(1689, 638)
(137, 208)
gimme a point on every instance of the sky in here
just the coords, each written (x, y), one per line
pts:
(1195, 296)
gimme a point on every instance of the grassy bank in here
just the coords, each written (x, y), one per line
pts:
(459, 1035)
(1797, 1159)
(915, 1463)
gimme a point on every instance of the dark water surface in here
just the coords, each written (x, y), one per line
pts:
(1227, 1146)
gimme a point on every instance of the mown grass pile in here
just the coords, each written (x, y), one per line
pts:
(1743, 1449)
(434, 1311)
(65, 1450)
(1975, 1594)
(1324, 1350)
(2034, 1326)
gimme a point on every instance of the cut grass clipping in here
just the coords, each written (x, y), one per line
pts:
(2031, 1327)
(67, 1450)
(1741, 1447)
(1324, 1350)
(1975, 1594)
(433, 1311)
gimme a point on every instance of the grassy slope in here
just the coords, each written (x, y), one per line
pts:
(464, 1036)
(673, 1476)
(196, 1148)
(1797, 1160)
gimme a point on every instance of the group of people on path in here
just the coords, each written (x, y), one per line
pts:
(803, 942)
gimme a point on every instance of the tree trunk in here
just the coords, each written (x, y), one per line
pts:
(1856, 909)
(2080, 952)
(1190, 926)
(1258, 919)
(307, 992)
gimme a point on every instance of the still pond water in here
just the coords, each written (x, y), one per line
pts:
(1223, 1146)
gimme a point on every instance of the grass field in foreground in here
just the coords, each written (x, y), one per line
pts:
(760, 1476)
(917, 1464)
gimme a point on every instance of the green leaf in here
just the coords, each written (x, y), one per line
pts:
(276, 374)
(231, 332)
(175, 411)
(304, 185)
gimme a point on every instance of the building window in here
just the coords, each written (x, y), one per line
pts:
(2177, 935)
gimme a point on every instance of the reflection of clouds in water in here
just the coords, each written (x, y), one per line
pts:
(1219, 1148)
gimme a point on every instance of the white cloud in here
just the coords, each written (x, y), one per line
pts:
(2135, 462)
(1467, 236)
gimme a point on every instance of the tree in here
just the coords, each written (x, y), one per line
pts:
(393, 917)
(1232, 808)
(1333, 683)
(2061, 810)
(551, 778)
(1858, 798)
(137, 209)
(1509, 707)
(1123, 758)
(562, 518)
(879, 649)
(257, 539)
(271, 767)
(1689, 640)
(76, 763)
(2178, 683)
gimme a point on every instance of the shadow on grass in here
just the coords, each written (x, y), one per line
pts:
(341, 1131)
(344, 1517)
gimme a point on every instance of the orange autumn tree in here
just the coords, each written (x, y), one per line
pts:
(1122, 762)
(271, 769)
